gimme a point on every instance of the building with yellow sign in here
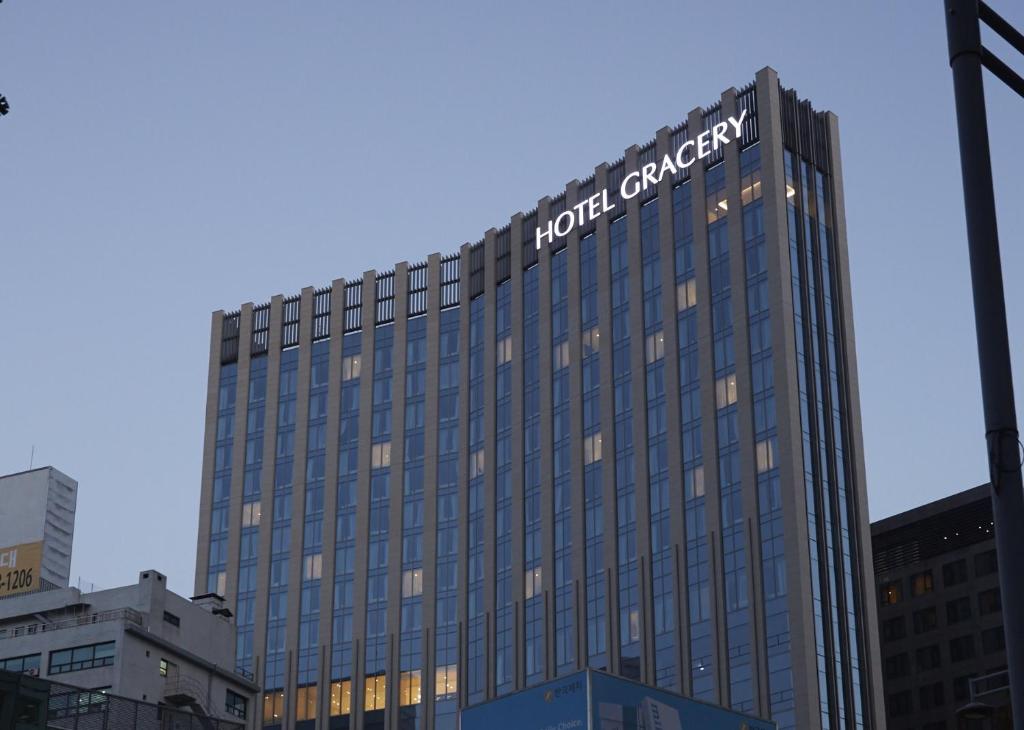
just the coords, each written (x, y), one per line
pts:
(37, 528)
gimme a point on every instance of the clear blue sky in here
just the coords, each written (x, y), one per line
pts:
(164, 160)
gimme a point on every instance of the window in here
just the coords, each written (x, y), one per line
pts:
(592, 448)
(765, 455)
(897, 666)
(350, 367)
(376, 692)
(235, 703)
(985, 563)
(989, 602)
(930, 696)
(412, 583)
(993, 640)
(82, 657)
(591, 341)
(890, 593)
(28, 664)
(533, 582)
(927, 658)
(560, 355)
(718, 205)
(693, 481)
(251, 514)
(410, 688)
(218, 583)
(171, 619)
(273, 707)
(894, 628)
(961, 648)
(686, 294)
(167, 668)
(504, 350)
(305, 703)
(921, 583)
(380, 455)
(899, 704)
(954, 573)
(750, 187)
(958, 610)
(725, 390)
(925, 620)
(655, 346)
(341, 697)
(476, 464)
(634, 624)
(446, 681)
(312, 567)
(962, 687)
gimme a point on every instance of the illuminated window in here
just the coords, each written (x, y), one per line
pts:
(251, 512)
(765, 455)
(412, 583)
(410, 688)
(560, 355)
(718, 205)
(350, 367)
(273, 707)
(164, 665)
(890, 593)
(750, 187)
(686, 294)
(380, 455)
(476, 464)
(341, 697)
(446, 681)
(375, 694)
(634, 624)
(592, 448)
(533, 582)
(504, 351)
(591, 341)
(693, 482)
(725, 390)
(921, 583)
(655, 347)
(313, 566)
(305, 703)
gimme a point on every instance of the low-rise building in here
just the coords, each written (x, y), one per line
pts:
(142, 642)
(940, 615)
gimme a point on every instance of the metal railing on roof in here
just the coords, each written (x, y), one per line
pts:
(118, 614)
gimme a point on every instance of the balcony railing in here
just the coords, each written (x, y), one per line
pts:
(119, 614)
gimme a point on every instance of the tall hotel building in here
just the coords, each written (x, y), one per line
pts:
(634, 447)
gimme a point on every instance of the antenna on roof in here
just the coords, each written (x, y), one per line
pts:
(32, 456)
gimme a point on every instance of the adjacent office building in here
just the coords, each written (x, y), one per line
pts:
(37, 528)
(620, 432)
(941, 616)
(140, 642)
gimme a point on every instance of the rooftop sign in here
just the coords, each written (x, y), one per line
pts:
(637, 181)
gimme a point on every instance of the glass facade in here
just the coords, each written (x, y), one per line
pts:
(559, 458)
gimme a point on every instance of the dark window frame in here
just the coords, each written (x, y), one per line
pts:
(76, 665)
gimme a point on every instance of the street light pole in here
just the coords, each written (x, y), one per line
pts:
(966, 56)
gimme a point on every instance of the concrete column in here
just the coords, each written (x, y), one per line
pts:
(267, 486)
(673, 416)
(209, 450)
(337, 333)
(369, 315)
